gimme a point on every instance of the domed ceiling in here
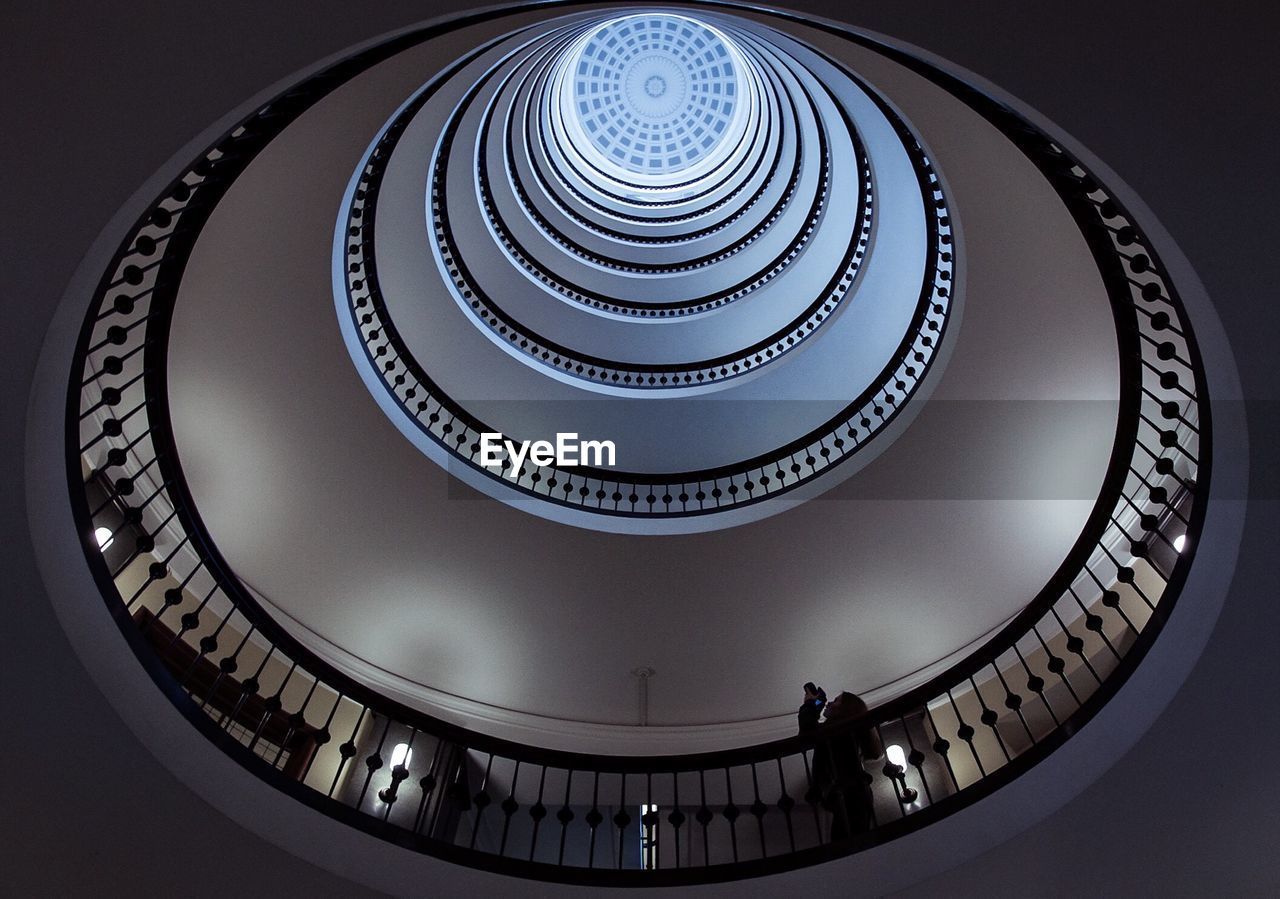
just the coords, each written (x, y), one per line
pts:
(856, 361)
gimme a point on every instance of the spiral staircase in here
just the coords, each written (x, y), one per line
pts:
(903, 391)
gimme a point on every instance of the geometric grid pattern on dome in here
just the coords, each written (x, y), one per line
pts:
(655, 93)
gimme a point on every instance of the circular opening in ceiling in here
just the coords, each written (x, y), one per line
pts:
(653, 95)
(705, 422)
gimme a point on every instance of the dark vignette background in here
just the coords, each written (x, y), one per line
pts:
(1179, 98)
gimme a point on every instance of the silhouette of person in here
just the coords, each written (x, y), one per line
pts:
(839, 777)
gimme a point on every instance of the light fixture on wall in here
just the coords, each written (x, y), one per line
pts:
(104, 536)
(896, 769)
(1179, 542)
(401, 755)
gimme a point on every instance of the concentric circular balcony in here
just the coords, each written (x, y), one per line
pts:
(901, 386)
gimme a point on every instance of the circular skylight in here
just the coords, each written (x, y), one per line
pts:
(655, 94)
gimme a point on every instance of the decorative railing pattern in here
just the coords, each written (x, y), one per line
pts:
(339, 746)
(637, 494)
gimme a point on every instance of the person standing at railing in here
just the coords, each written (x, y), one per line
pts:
(810, 714)
(839, 777)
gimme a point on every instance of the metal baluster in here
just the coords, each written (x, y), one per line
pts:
(731, 813)
(621, 820)
(942, 747)
(758, 809)
(989, 716)
(564, 816)
(785, 803)
(509, 808)
(481, 800)
(965, 732)
(374, 762)
(916, 758)
(537, 812)
(322, 737)
(428, 784)
(594, 818)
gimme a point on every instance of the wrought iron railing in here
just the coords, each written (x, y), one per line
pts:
(341, 747)
(613, 492)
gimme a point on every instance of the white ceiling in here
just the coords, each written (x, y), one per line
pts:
(318, 502)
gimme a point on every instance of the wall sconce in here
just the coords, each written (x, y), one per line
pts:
(895, 769)
(104, 537)
(400, 757)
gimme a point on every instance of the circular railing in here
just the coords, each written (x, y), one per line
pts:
(341, 747)
(633, 494)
